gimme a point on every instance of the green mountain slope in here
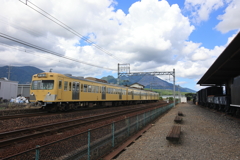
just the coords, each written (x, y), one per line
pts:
(21, 74)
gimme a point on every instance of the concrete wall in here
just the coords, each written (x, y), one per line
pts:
(24, 90)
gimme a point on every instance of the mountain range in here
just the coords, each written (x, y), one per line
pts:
(24, 75)
(21, 74)
(147, 80)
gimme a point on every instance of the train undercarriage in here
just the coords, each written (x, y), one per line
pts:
(68, 106)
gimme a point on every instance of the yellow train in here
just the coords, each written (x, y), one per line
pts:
(56, 91)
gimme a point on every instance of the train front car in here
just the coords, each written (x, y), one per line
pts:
(44, 90)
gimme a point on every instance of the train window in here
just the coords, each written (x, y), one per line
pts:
(60, 84)
(70, 86)
(97, 88)
(77, 86)
(111, 91)
(42, 85)
(93, 89)
(85, 88)
(89, 88)
(65, 85)
(74, 86)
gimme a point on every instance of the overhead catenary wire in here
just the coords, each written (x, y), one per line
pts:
(60, 23)
(6, 21)
(48, 51)
(28, 51)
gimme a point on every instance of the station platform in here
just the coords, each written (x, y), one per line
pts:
(205, 135)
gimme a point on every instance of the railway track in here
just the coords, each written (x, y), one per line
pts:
(12, 137)
(22, 115)
(41, 113)
(7, 117)
(11, 112)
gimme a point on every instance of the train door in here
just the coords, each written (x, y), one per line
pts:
(60, 83)
(120, 93)
(140, 95)
(103, 92)
(132, 94)
(75, 90)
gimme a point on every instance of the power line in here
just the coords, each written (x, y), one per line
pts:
(7, 22)
(48, 51)
(63, 25)
(27, 51)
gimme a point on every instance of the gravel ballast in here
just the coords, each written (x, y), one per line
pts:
(205, 135)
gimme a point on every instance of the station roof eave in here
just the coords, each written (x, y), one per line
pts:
(226, 66)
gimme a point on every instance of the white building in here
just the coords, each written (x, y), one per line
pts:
(8, 89)
(137, 85)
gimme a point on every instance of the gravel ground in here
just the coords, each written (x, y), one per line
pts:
(205, 135)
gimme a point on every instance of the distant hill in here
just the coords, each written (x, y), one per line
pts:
(21, 74)
(24, 75)
(149, 81)
(110, 79)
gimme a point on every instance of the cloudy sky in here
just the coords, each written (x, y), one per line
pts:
(151, 35)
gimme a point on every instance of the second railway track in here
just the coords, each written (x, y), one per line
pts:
(12, 137)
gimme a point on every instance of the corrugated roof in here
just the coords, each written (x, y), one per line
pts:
(226, 66)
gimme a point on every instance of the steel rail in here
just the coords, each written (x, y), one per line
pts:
(49, 129)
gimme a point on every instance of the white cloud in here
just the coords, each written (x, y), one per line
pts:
(153, 36)
(201, 9)
(152, 32)
(230, 20)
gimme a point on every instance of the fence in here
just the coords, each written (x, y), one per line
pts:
(94, 143)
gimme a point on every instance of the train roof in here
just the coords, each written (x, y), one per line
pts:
(83, 79)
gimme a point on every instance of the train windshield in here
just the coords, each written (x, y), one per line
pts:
(42, 85)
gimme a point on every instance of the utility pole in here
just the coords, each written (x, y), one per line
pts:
(179, 93)
(174, 85)
(9, 72)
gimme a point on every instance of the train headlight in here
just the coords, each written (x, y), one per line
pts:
(49, 94)
(32, 94)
